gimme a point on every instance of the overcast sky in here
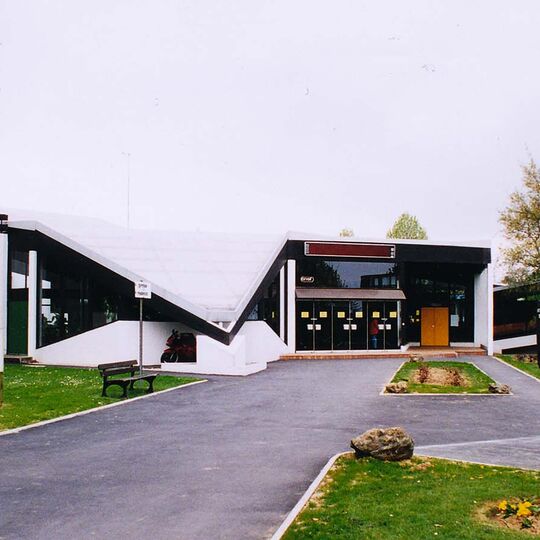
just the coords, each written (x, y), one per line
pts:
(270, 115)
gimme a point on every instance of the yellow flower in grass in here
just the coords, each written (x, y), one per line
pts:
(524, 509)
(502, 505)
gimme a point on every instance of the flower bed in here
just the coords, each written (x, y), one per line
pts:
(443, 378)
(516, 514)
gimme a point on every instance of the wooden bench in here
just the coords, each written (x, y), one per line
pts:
(119, 368)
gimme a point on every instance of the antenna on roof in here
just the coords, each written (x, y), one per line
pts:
(128, 156)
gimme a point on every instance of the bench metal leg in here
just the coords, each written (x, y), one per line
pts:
(150, 386)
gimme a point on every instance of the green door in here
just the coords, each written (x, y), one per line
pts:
(17, 335)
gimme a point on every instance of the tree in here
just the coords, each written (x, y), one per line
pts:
(346, 232)
(521, 222)
(408, 227)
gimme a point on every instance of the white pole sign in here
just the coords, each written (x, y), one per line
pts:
(143, 289)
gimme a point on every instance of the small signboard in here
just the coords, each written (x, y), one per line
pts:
(143, 289)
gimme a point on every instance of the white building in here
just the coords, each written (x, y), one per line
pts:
(237, 300)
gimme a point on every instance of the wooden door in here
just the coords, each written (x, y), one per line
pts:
(434, 327)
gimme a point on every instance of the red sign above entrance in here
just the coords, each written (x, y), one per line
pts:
(348, 249)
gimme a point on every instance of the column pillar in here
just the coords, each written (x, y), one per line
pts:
(282, 314)
(3, 298)
(483, 309)
(291, 305)
(32, 302)
(490, 279)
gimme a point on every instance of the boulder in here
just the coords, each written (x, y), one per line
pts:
(416, 358)
(390, 444)
(499, 388)
(397, 387)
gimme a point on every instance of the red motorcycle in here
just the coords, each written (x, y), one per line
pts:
(180, 348)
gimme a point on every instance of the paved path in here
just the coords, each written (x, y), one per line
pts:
(228, 459)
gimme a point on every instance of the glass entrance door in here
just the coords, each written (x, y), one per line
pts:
(358, 325)
(313, 325)
(340, 325)
(305, 337)
(383, 325)
(343, 325)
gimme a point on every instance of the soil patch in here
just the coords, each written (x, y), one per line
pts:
(488, 513)
(440, 376)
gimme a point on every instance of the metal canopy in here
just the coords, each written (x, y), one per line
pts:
(350, 294)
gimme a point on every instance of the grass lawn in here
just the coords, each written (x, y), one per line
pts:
(479, 381)
(32, 394)
(416, 499)
(529, 367)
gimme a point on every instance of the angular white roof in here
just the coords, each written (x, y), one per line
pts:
(212, 275)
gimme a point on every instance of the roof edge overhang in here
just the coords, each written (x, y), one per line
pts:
(181, 303)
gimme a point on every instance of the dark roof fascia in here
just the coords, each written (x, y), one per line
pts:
(427, 253)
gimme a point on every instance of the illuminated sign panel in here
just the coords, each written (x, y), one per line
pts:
(348, 249)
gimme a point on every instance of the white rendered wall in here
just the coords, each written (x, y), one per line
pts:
(113, 342)
(291, 305)
(282, 314)
(262, 343)
(252, 348)
(499, 345)
(483, 309)
(254, 345)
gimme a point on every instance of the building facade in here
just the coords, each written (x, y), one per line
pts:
(515, 318)
(240, 300)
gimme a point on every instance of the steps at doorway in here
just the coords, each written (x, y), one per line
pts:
(441, 352)
(19, 359)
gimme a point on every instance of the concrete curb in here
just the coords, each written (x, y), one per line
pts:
(383, 392)
(477, 463)
(517, 369)
(299, 506)
(95, 409)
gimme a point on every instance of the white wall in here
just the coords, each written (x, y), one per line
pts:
(254, 345)
(291, 305)
(483, 309)
(262, 343)
(113, 342)
(500, 345)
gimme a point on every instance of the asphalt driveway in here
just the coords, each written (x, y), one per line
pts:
(229, 458)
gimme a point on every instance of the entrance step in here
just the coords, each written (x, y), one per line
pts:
(19, 359)
(442, 352)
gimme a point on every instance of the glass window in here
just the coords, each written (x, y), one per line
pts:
(71, 303)
(346, 274)
(436, 285)
(267, 309)
(515, 311)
